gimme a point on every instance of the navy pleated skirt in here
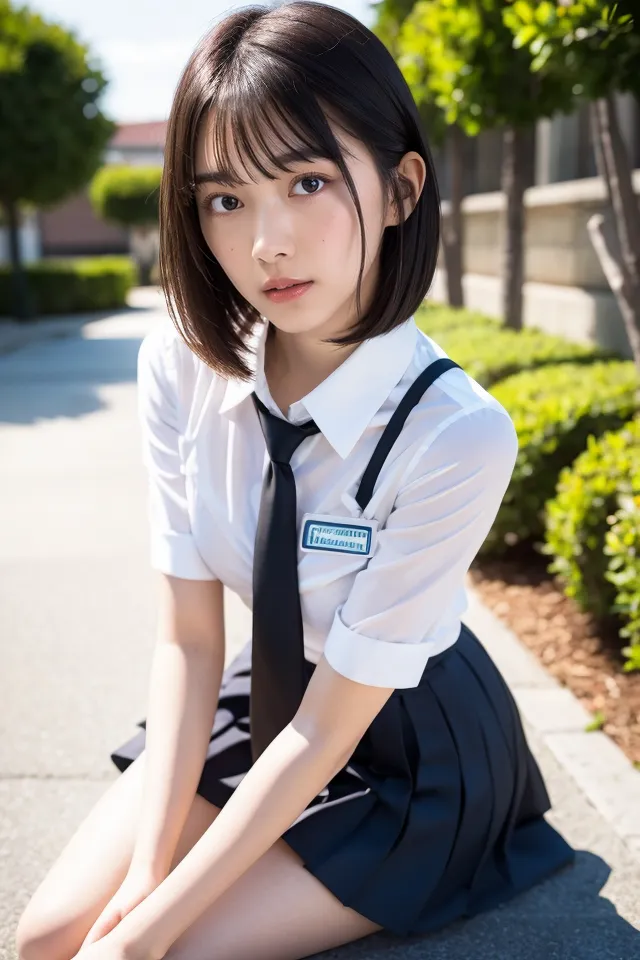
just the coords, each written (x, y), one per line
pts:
(439, 813)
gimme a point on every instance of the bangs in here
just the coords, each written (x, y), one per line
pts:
(268, 121)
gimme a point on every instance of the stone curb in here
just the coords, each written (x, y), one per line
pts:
(597, 765)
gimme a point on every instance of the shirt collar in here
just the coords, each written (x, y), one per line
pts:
(360, 385)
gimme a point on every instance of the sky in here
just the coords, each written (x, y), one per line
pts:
(142, 45)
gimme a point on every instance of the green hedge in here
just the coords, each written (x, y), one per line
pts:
(622, 546)
(434, 318)
(554, 410)
(489, 354)
(126, 194)
(73, 285)
(580, 514)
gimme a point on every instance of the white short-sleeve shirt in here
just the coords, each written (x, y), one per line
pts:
(377, 619)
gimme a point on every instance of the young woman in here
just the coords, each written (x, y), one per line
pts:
(361, 764)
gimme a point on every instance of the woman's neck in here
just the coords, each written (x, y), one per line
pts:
(294, 364)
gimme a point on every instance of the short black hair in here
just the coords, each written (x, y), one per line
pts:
(288, 68)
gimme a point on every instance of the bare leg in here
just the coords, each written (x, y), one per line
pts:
(277, 910)
(92, 866)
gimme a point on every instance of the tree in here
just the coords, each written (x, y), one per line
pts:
(52, 132)
(390, 17)
(593, 48)
(129, 196)
(463, 54)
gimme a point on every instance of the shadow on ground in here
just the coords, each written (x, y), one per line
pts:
(61, 377)
(564, 918)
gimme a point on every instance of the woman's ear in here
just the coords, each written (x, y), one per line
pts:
(410, 174)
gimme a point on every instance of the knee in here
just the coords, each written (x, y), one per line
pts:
(37, 939)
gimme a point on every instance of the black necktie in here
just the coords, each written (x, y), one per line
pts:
(277, 659)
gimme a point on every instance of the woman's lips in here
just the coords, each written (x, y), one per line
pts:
(289, 293)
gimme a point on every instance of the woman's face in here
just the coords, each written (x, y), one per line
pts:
(302, 225)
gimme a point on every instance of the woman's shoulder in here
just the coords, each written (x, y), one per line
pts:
(164, 356)
(164, 348)
(173, 383)
(455, 420)
(454, 394)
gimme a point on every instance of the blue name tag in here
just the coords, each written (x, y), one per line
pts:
(338, 534)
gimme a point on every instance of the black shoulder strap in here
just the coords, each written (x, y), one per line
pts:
(392, 430)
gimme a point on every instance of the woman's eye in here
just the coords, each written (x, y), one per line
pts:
(311, 180)
(225, 198)
(219, 196)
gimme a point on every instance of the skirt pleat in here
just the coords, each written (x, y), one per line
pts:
(528, 794)
(439, 813)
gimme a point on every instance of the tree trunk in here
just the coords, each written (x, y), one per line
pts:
(514, 180)
(144, 249)
(452, 227)
(620, 259)
(144, 273)
(19, 306)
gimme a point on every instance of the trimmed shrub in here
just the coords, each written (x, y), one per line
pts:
(581, 513)
(126, 194)
(73, 285)
(555, 409)
(489, 354)
(433, 318)
(593, 532)
(622, 545)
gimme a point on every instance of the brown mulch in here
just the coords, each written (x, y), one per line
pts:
(581, 653)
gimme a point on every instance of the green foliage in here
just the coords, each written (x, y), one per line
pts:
(590, 45)
(489, 354)
(126, 195)
(71, 286)
(597, 723)
(577, 516)
(390, 15)
(434, 318)
(53, 133)
(555, 409)
(622, 546)
(461, 55)
(593, 531)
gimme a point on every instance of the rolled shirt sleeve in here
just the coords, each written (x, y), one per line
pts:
(172, 546)
(382, 634)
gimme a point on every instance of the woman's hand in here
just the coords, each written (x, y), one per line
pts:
(114, 946)
(138, 884)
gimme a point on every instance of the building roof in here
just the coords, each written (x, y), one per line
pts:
(135, 135)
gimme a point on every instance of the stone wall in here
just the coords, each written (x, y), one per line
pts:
(565, 290)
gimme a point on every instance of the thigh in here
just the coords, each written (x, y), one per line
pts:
(92, 866)
(277, 910)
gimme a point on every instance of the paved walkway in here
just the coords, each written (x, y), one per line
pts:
(77, 618)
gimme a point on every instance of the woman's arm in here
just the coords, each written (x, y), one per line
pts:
(184, 687)
(189, 656)
(332, 718)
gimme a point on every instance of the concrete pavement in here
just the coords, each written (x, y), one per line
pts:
(16, 334)
(77, 620)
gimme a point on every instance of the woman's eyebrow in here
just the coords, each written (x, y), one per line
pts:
(227, 177)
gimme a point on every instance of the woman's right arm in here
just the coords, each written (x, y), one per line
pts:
(188, 658)
(187, 666)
